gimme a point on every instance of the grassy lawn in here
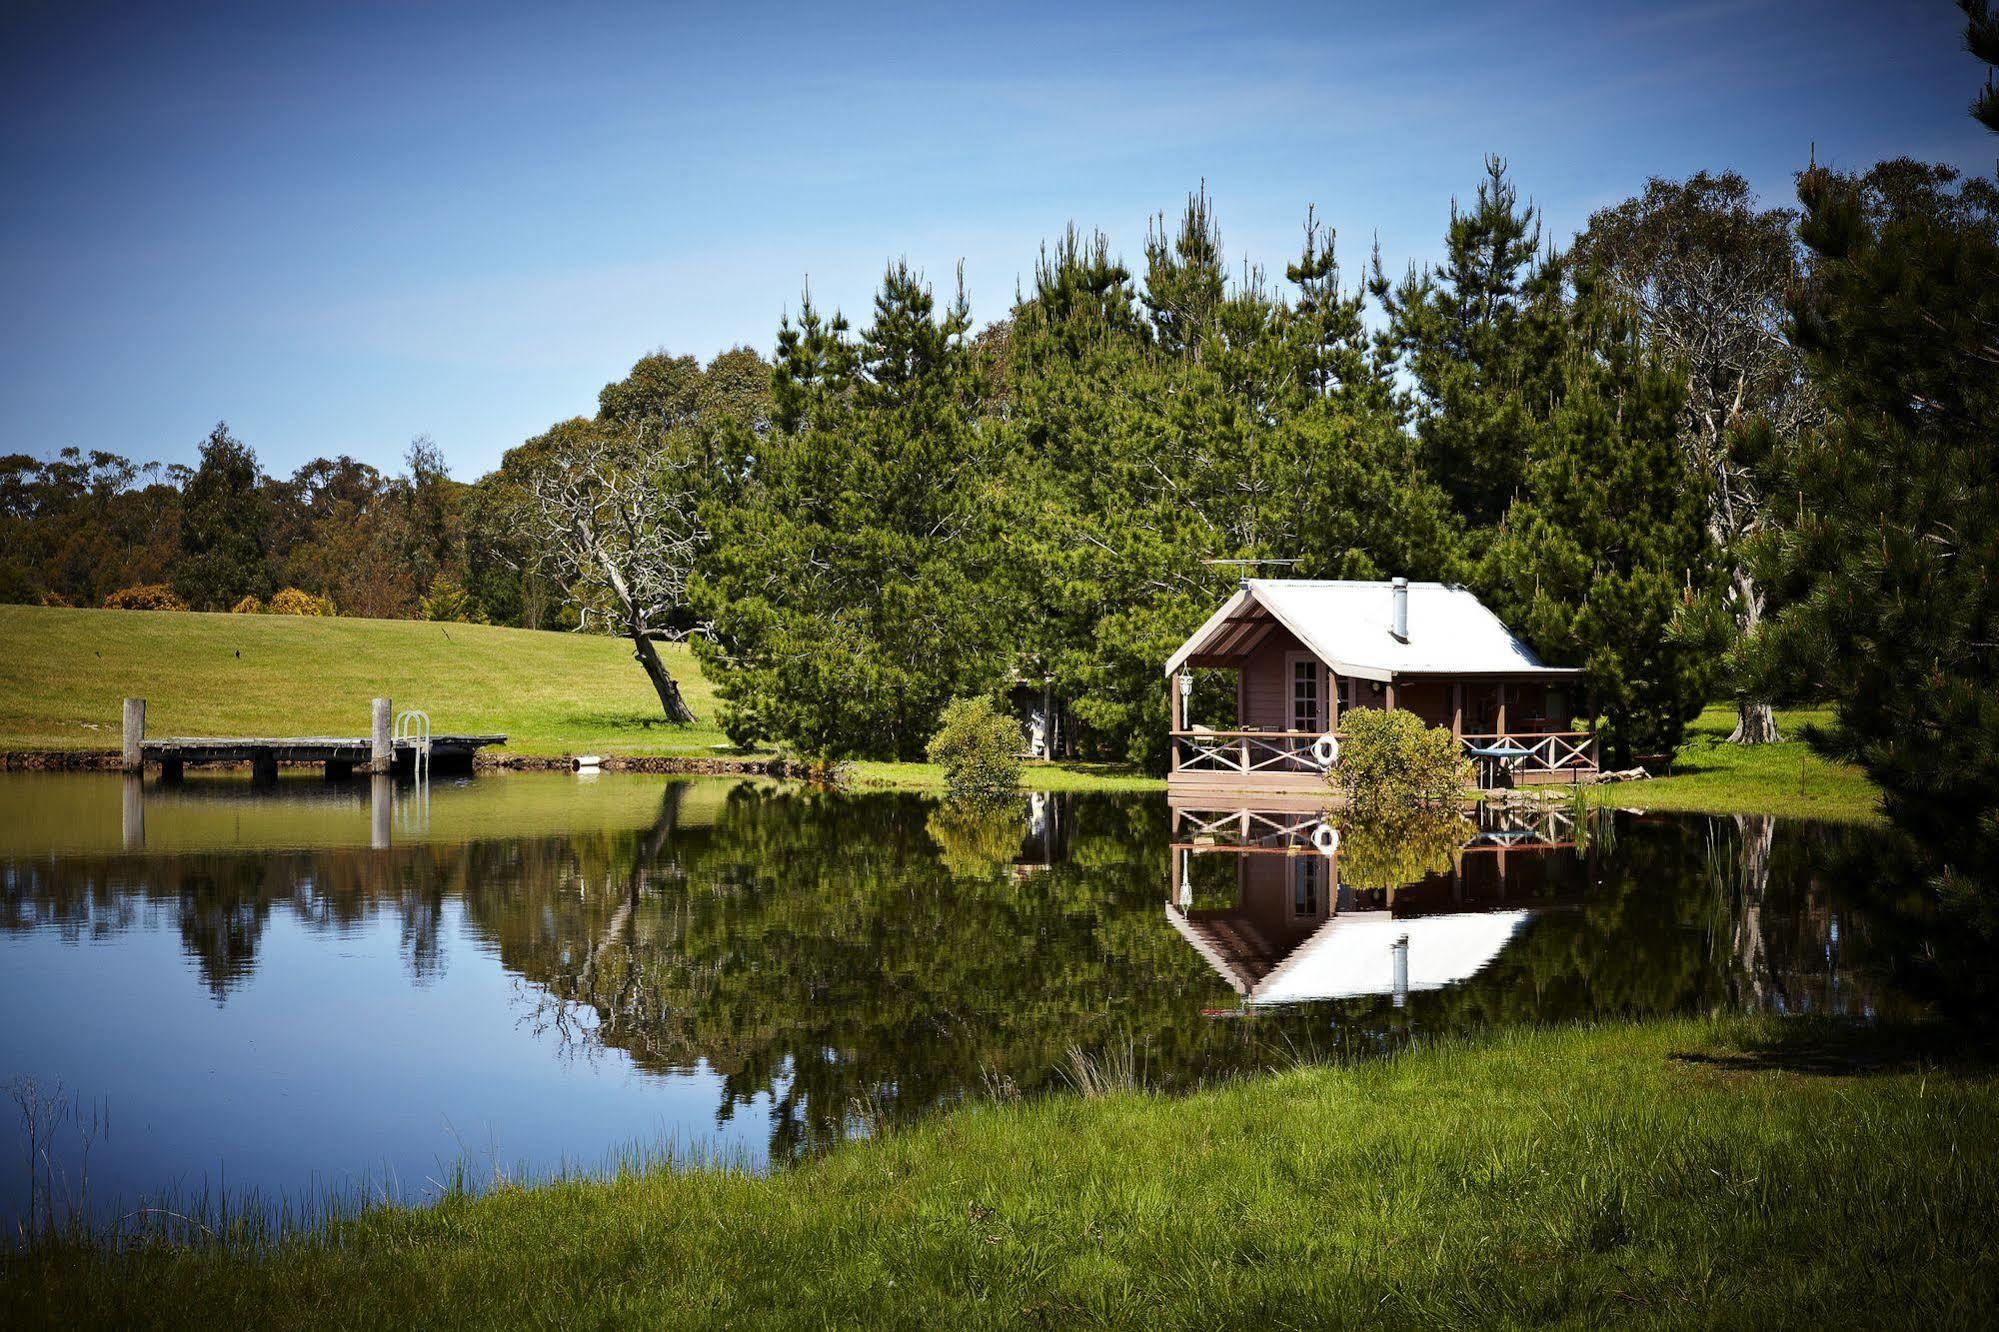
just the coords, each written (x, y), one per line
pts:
(1739, 1173)
(1709, 775)
(62, 673)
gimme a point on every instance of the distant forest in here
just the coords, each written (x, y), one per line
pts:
(1711, 448)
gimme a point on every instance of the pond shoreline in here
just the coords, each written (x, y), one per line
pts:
(110, 760)
(1717, 788)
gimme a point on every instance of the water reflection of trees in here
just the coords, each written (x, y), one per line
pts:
(827, 951)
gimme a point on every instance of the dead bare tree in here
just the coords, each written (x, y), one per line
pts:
(616, 518)
(1709, 273)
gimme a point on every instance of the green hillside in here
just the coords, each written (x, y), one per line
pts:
(63, 672)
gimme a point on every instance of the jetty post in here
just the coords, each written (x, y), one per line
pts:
(135, 735)
(382, 750)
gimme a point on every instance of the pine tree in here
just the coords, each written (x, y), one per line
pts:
(1185, 279)
(1144, 444)
(1893, 554)
(1478, 335)
(851, 588)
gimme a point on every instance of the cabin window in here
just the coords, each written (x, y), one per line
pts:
(1305, 696)
(1308, 876)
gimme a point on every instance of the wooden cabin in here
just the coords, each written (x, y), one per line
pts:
(1306, 652)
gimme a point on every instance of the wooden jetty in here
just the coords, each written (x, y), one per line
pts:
(384, 751)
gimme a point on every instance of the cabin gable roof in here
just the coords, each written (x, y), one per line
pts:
(1348, 625)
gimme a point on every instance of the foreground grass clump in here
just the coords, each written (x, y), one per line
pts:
(1740, 1173)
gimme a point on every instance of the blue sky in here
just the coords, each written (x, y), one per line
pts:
(340, 227)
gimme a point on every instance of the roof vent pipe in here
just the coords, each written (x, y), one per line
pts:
(1401, 586)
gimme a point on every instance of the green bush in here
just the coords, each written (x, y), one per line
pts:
(1390, 763)
(978, 746)
(448, 600)
(145, 596)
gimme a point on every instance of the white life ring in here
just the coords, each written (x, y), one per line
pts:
(1326, 750)
(1326, 838)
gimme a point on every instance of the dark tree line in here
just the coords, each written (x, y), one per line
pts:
(75, 529)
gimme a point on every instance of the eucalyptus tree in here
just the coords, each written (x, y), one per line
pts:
(615, 518)
(1709, 273)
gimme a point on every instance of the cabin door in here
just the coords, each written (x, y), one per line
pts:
(1308, 693)
(1307, 677)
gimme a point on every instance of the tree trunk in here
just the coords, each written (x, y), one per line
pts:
(669, 692)
(1757, 833)
(1755, 724)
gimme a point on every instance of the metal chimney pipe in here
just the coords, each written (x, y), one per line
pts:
(1401, 586)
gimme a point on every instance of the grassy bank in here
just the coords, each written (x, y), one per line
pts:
(1712, 776)
(62, 673)
(1739, 1173)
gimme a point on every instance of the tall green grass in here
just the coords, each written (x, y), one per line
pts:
(1738, 1173)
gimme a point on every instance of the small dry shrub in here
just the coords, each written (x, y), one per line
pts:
(145, 596)
(293, 601)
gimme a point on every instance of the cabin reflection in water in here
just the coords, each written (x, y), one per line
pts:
(1259, 894)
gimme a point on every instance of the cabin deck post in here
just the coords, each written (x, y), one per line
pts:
(1502, 709)
(1458, 710)
(134, 755)
(1388, 695)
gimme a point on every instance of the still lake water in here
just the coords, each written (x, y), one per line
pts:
(328, 988)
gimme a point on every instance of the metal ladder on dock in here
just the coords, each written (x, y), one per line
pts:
(414, 726)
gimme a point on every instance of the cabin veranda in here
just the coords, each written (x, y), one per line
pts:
(1306, 653)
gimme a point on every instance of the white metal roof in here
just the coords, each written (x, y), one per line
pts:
(1348, 626)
